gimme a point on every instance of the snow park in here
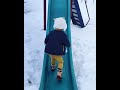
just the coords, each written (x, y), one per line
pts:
(59, 44)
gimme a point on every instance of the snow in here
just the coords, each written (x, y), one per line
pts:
(83, 46)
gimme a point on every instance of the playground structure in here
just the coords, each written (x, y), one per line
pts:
(68, 9)
(76, 15)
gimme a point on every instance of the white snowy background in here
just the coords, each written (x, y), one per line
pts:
(83, 46)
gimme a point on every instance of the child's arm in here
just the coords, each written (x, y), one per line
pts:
(66, 41)
(46, 39)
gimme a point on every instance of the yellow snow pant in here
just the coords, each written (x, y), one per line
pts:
(57, 58)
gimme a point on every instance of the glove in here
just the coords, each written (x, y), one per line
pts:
(66, 50)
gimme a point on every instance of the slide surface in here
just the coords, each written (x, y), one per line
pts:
(58, 8)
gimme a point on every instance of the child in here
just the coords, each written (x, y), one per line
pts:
(56, 42)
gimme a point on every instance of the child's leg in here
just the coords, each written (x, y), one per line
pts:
(52, 63)
(52, 60)
(60, 62)
(60, 66)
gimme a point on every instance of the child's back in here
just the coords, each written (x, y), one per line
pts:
(56, 42)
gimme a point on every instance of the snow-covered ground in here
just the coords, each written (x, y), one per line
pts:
(83, 46)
